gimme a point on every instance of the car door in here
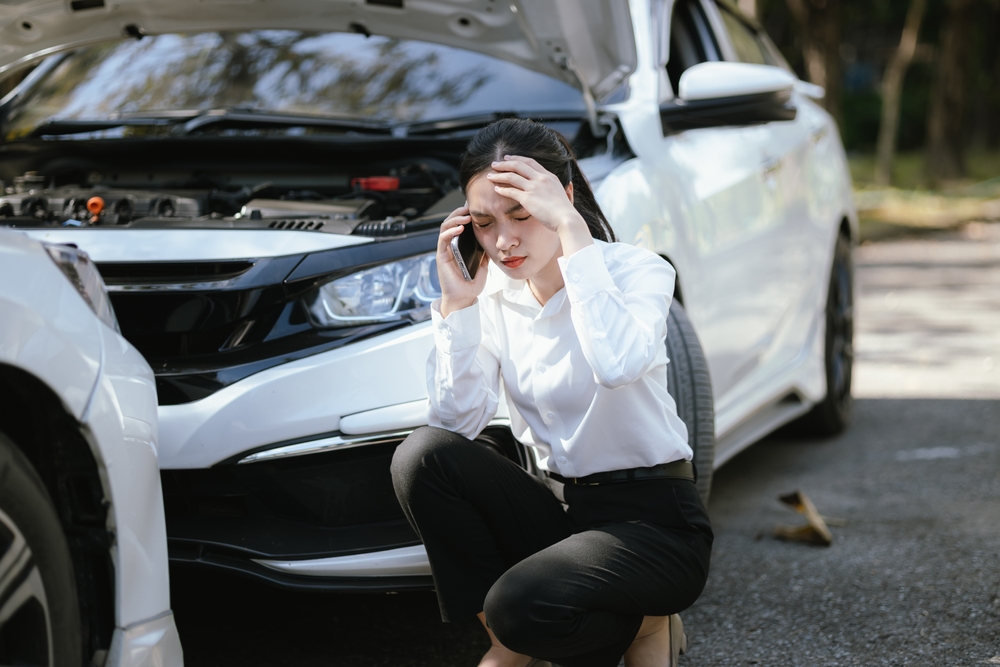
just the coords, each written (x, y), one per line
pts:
(788, 236)
(729, 213)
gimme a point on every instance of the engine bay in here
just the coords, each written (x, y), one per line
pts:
(390, 202)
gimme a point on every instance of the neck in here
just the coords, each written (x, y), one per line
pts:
(547, 282)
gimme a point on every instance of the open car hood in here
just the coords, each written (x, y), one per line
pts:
(587, 43)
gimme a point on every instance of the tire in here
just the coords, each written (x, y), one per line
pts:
(691, 387)
(831, 416)
(39, 612)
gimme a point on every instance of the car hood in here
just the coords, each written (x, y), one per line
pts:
(587, 43)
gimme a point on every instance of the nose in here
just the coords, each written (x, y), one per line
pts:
(505, 237)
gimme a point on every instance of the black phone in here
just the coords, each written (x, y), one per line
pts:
(468, 253)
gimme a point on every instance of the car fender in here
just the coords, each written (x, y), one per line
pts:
(46, 328)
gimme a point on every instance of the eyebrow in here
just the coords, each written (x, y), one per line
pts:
(513, 209)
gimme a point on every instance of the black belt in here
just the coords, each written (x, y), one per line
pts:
(673, 470)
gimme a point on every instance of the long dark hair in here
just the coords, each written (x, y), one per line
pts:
(527, 138)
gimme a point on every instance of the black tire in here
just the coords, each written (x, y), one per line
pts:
(690, 385)
(39, 613)
(831, 416)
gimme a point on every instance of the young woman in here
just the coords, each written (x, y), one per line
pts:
(594, 561)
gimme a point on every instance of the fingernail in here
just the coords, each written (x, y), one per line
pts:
(507, 157)
(496, 162)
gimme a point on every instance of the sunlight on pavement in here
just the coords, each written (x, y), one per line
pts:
(928, 316)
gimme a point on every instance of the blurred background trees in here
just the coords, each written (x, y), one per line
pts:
(901, 75)
(919, 78)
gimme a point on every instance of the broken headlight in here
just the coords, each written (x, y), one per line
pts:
(401, 290)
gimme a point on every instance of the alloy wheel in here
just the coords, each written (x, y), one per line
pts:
(25, 621)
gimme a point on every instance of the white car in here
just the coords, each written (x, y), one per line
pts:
(261, 184)
(83, 554)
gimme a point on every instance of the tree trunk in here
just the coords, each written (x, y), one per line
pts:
(945, 136)
(819, 24)
(892, 88)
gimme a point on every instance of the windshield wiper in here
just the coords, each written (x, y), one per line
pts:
(247, 119)
(183, 123)
(62, 126)
(477, 121)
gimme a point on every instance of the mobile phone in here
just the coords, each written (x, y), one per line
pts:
(467, 251)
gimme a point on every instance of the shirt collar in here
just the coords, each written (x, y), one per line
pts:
(518, 292)
(498, 281)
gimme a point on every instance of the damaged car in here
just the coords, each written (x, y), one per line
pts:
(261, 189)
(83, 549)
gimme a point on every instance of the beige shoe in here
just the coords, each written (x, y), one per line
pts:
(678, 640)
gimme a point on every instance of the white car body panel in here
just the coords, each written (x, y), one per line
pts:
(107, 385)
(45, 326)
(298, 399)
(173, 245)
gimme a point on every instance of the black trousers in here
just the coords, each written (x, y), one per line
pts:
(569, 584)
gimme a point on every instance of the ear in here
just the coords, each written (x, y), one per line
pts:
(569, 191)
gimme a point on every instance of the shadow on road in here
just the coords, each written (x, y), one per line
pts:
(913, 578)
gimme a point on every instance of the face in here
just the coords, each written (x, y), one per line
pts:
(515, 241)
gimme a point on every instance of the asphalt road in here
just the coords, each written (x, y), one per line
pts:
(912, 578)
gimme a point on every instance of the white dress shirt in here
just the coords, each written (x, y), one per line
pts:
(585, 376)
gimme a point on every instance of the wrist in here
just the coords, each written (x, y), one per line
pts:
(575, 234)
(449, 306)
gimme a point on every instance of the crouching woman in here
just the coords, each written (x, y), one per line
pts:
(593, 561)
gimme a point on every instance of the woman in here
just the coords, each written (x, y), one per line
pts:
(593, 562)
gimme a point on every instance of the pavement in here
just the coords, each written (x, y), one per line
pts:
(912, 576)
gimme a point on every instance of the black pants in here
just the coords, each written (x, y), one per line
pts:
(569, 585)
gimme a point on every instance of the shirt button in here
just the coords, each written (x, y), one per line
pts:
(562, 459)
(551, 415)
(541, 368)
(575, 277)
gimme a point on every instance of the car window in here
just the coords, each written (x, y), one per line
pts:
(748, 46)
(689, 42)
(342, 75)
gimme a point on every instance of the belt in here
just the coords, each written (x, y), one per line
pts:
(673, 470)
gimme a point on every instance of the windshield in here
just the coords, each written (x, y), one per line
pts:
(341, 75)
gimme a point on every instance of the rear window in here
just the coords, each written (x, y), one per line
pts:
(342, 75)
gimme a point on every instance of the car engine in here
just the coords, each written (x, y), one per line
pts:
(370, 205)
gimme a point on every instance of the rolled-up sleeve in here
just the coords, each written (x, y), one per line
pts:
(622, 321)
(463, 373)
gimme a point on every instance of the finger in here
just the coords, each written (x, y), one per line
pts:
(446, 235)
(529, 162)
(517, 194)
(509, 178)
(453, 220)
(515, 165)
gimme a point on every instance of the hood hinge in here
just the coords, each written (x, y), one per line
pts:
(596, 127)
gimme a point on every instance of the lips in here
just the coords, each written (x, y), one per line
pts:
(513, 262)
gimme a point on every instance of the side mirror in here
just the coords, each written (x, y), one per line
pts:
(718, 94)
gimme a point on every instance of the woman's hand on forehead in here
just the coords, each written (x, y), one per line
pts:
(537, 190)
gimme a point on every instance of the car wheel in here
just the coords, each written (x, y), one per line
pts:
(689, 384)
(39, 614)
(831, 415)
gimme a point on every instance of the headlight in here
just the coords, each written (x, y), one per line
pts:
(77, 266)
(400, 290)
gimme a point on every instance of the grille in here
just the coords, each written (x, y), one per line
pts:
(127, 273)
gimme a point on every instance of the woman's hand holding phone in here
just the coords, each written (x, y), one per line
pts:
(456, 291)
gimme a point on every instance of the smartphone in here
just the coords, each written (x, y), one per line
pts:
(468, 253)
